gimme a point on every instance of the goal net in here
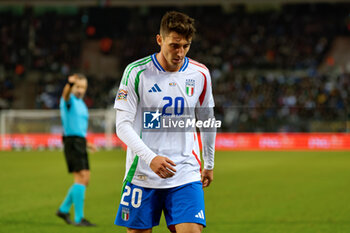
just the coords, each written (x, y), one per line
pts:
(28, 129)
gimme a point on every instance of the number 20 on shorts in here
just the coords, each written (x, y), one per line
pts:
(135, 198)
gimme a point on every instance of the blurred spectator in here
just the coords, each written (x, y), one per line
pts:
(253, 58)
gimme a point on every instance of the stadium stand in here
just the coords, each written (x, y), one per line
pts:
(264, 63)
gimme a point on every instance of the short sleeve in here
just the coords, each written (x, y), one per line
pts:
(127, 98)
(66, 104)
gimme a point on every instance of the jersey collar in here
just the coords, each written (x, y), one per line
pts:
(160, 68)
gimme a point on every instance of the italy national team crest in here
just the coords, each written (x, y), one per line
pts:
(125, 214)
(190, 83)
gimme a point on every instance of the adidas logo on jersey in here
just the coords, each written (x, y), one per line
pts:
(155, 88)
(200, 215)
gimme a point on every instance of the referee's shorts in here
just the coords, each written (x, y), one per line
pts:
(75, 153)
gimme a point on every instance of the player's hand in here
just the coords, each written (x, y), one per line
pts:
(163, 167)
(91, 147)
(207, 177)
(72, 79)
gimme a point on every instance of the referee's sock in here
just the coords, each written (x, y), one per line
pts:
(78, 195)
(67, 202)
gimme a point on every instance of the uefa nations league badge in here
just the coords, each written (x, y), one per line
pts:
(190, 83)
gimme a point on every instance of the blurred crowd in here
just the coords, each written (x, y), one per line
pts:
(100, 93)
(257, 103)
(239, 46)
(47, 44)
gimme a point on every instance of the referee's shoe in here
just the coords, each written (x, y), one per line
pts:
(85, 223)
(64, 216)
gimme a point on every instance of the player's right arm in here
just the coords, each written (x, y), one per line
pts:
(68, 87)
(126, 103)
(161, 165)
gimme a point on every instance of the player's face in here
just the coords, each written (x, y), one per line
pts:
(79, 88)
(174, 48)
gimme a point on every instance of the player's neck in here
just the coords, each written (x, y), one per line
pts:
(166, 66)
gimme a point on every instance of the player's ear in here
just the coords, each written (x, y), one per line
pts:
(159, 40)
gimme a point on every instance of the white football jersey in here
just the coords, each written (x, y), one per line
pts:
(145, 84)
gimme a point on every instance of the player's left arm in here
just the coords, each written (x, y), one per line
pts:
(208, 136)
(205, 111)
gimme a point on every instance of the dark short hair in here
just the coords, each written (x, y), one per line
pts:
(80, 76)
(178, 22)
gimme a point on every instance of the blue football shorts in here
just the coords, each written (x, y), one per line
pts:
(141, 208)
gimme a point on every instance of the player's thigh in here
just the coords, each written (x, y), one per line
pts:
(140, 208)
(130, 230)
(188, 228)
(185, 204)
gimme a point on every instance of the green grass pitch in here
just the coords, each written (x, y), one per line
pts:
(252, 192)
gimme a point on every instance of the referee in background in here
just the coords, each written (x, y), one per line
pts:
(75, 116)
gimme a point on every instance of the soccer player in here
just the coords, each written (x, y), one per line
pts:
(74, 116)
(163, 169)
